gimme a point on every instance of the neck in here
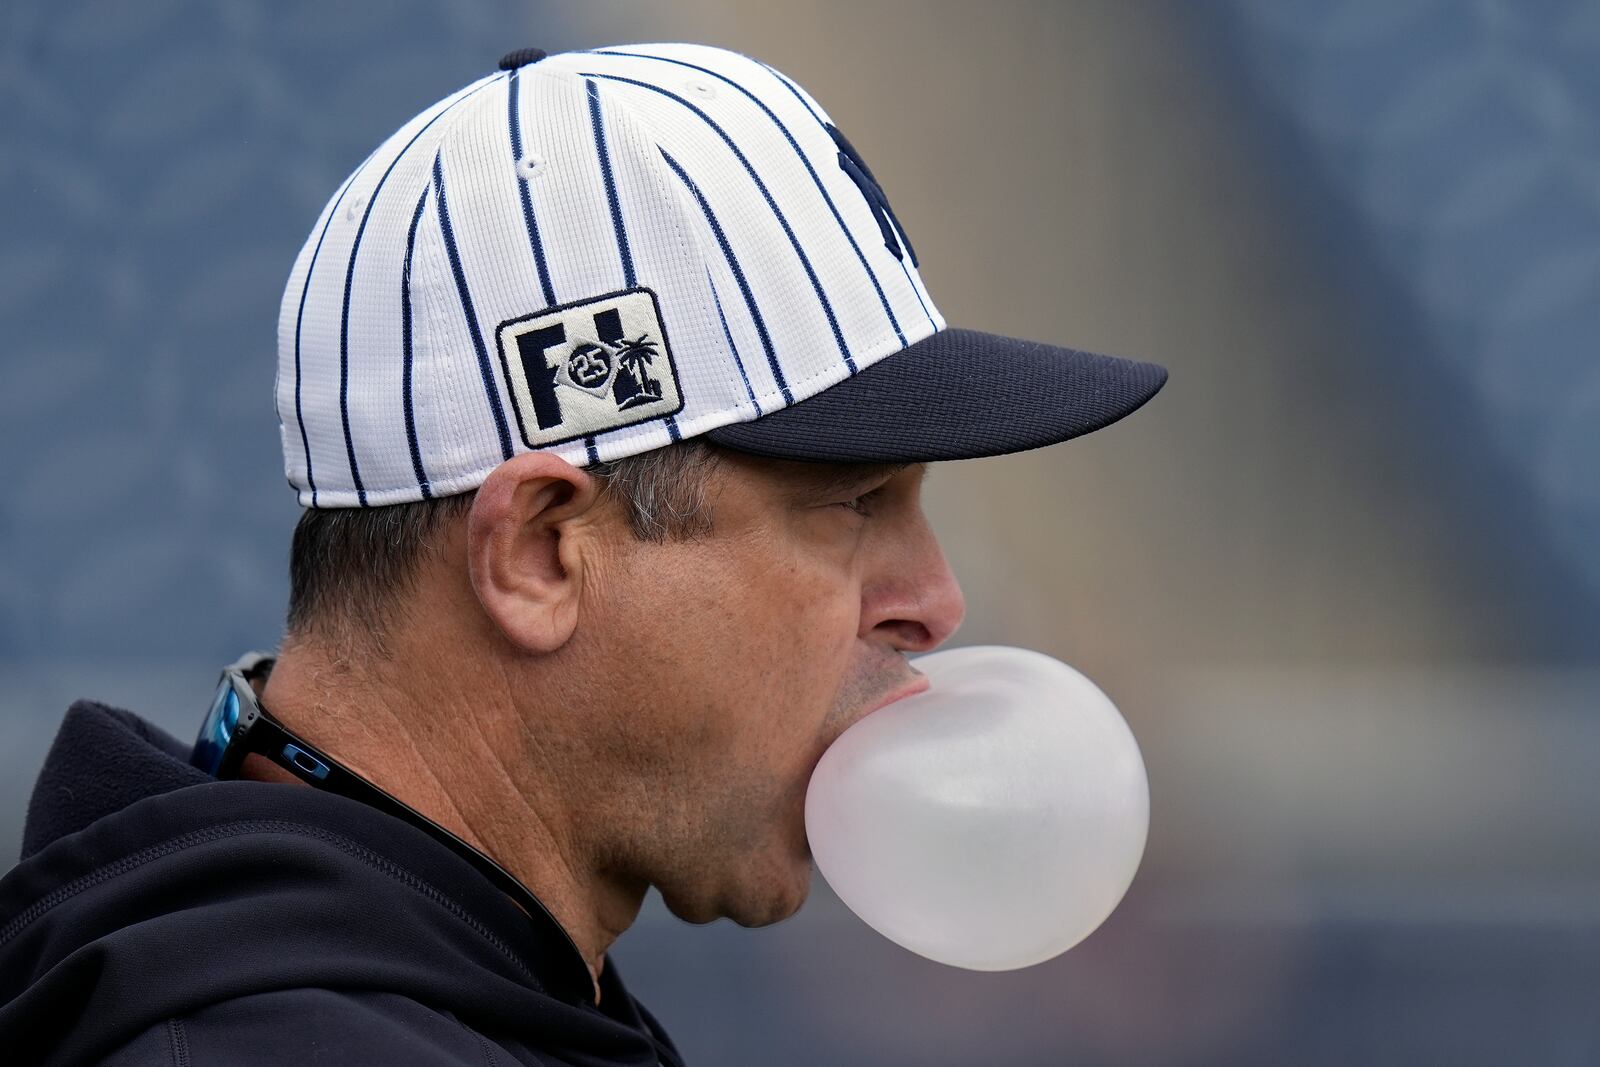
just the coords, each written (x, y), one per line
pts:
(438, 740)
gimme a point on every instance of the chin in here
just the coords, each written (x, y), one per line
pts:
(776, 908)
(763, 899)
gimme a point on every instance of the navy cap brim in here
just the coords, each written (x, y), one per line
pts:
(958, 394)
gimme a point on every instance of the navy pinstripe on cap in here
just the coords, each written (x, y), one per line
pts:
(405, 344)
(766, 194)
(514, 129)
(738, 274)
(349, 280)
(805, 161)
(618, 249)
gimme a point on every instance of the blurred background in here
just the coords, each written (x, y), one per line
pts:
(1342, 575)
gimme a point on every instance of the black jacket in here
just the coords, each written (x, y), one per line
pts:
(160, 916)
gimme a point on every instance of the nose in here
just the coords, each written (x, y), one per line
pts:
(913, 600)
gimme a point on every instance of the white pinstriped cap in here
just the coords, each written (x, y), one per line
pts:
(599, 253)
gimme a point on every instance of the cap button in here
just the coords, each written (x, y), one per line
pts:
(521, 58)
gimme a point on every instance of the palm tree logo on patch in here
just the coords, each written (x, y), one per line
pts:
(634, 384)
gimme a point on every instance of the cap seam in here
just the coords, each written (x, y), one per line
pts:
(688, 245)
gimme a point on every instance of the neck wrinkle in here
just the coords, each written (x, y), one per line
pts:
(402, 732)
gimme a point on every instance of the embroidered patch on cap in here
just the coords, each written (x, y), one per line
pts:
(590, 366)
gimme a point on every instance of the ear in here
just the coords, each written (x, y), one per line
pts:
(525, 547)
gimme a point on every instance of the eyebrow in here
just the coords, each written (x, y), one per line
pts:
(839, 477)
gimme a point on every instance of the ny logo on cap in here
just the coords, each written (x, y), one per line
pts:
(589, 366)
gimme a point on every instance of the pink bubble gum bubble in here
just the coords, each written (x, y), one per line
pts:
(991, 822)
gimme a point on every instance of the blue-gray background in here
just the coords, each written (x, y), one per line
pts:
(1343, 575)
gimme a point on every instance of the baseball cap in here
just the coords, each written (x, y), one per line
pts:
(599, 253)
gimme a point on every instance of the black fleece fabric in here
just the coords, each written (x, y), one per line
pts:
(159, 916)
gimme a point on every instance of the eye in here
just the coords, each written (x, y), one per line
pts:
(861, 505)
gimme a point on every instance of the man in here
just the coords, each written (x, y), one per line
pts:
(608, 384)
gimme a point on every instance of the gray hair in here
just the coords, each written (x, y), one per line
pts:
(347, 566)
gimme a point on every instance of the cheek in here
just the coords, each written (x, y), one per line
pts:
(761, 648)
(795, 628)
(727, 656)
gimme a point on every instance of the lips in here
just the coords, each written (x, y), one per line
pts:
(917, 683)
(912, 687)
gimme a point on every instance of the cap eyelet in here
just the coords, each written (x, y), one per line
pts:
(703, 89)
(530, 166)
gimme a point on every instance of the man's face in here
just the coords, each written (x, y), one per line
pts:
(725, 665)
